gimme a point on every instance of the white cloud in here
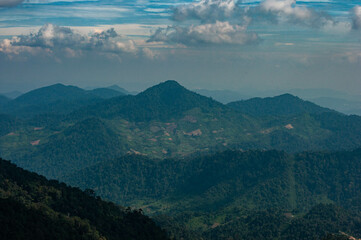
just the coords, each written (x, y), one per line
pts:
(206, 10)
(286, 7)
(356, 23)
(64, 40)
(211, 33)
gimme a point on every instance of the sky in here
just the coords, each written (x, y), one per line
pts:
(206, 44)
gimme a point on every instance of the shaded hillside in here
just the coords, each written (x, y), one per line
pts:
(323, 221)
(283, 105)
(257, 179)
(35, 208)
(234, 191)
(81, 145)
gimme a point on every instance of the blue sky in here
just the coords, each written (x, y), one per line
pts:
(212, 44)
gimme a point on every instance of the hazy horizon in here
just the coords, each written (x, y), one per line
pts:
(208, 44)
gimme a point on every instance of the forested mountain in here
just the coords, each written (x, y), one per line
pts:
(283, 105)
(161, 102)
(58, 98)
(188, 160)
(32, 207)
(238, 193)
(164, 121)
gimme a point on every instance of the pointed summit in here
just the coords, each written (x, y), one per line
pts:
(161, 102)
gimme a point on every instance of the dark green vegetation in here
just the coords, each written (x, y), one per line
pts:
(32, 207)
(247, 195)
(283, 105)
(188, 161)
(164, 121)
(57, 99)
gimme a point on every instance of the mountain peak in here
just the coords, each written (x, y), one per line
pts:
(169, 84)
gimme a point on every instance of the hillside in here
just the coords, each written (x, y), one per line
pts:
(283, 105)
(75, 148)
(259, 179)
(202, 191)
(35, 208)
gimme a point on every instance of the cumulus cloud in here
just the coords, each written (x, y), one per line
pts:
(57, 39)
(275, 11)
(9, 3)
(206, 10)
(211, 33)
(288, 11)
(287, 8)
(356, 18)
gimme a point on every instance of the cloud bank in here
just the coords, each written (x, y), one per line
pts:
(210, 33)
(63, 40)
(206, 10)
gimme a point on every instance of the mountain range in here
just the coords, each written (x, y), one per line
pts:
(263, 168)
(166, 120)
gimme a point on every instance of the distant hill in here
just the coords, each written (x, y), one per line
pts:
(223, 96)
(32, 207)
(161, 102)
(119, 89)
(106, 93)
(339, 104)
(12, 94)
(56, 98)
(283, 105)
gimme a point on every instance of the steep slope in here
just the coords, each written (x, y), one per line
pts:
(283, 105)
(56, 98)
(35, 208)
